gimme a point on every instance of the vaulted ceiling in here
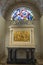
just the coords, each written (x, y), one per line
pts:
(5, 4)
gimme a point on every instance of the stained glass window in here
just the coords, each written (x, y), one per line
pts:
(22, 14)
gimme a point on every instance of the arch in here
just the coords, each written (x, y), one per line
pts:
(21, 4)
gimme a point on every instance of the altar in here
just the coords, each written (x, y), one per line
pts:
(21, 49)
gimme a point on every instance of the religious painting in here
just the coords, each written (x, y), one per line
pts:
(22, 36)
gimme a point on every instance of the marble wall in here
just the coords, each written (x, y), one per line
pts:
(41, 36)
(2, 36)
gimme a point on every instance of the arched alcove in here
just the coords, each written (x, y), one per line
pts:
(35, 22)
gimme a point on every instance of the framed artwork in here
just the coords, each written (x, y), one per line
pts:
(22, 36)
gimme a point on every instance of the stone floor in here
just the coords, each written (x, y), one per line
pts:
(14, 64)
(17, 64)
(3, 62)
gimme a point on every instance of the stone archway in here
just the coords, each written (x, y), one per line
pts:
(35, 22)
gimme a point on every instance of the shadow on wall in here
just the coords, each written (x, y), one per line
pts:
(2, 36)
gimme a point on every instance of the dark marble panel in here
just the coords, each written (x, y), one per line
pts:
(30, 57)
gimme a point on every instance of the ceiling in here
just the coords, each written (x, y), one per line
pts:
(4, 4)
